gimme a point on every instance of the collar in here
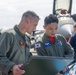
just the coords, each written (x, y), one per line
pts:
(18, 31)
(52, 39)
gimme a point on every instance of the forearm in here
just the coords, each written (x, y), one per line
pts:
(16, 70)
(5, 65)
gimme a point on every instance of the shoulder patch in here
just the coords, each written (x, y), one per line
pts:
(38, 45)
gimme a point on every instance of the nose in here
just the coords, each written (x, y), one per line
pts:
(66, 30)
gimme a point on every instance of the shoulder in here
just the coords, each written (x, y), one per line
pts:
(38, 44)
(39, 38)
(60, 36)
(9, 31)
(7, 34)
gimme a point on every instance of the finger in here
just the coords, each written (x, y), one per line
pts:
(20, 65)
(22, 71)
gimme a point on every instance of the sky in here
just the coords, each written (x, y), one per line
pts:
(12, 10)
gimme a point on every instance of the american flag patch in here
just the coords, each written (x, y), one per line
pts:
(38, 45)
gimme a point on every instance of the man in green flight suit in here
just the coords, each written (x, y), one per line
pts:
(51, 43)
(15, 45)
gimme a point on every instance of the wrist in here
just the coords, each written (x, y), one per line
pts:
(12, 68)
(61, 72)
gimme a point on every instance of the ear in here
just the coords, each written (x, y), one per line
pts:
(27, 21)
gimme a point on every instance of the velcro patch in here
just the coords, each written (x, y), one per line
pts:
(47, 44)
(38, 45)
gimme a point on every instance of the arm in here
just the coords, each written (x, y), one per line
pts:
(5, 63)
(40, 49)
(69, 52)
(67, 48)
(16, 70)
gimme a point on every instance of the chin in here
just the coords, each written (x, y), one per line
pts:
(52, 35)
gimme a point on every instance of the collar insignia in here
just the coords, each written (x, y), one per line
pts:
(21, 43)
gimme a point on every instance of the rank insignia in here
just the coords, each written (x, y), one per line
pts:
(21, 43)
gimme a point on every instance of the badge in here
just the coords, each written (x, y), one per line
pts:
(59, 43)
(38, 45)
(47, 44)
(21, 43)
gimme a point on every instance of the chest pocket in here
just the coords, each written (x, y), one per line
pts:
(17, 42)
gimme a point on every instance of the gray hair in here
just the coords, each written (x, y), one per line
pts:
(30, 14)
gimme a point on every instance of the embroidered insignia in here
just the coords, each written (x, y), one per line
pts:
(59, 43)
(38, 45)
(21, 43)
(47, 44)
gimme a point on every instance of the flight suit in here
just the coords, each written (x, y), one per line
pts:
(60, 48)
(14, 49)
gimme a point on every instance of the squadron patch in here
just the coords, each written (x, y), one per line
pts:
(21, 43)
(59, 43)
(38, 45)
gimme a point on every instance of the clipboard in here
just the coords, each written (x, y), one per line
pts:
(45, 65)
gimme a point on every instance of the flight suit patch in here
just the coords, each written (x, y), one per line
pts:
(21, 43)
(59, 43)
(47, 44)
(38, 45)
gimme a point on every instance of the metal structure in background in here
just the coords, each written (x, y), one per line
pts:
(61, 4)
(62, 9)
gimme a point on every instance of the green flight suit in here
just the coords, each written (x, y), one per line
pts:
(60, 48)
(14, 49)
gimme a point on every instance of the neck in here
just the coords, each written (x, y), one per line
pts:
(21, 28)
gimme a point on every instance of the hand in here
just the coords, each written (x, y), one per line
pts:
(59, 73)
(63, 71)
(16, 70)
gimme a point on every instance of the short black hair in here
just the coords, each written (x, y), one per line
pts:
(50, 19)
(30, 14)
